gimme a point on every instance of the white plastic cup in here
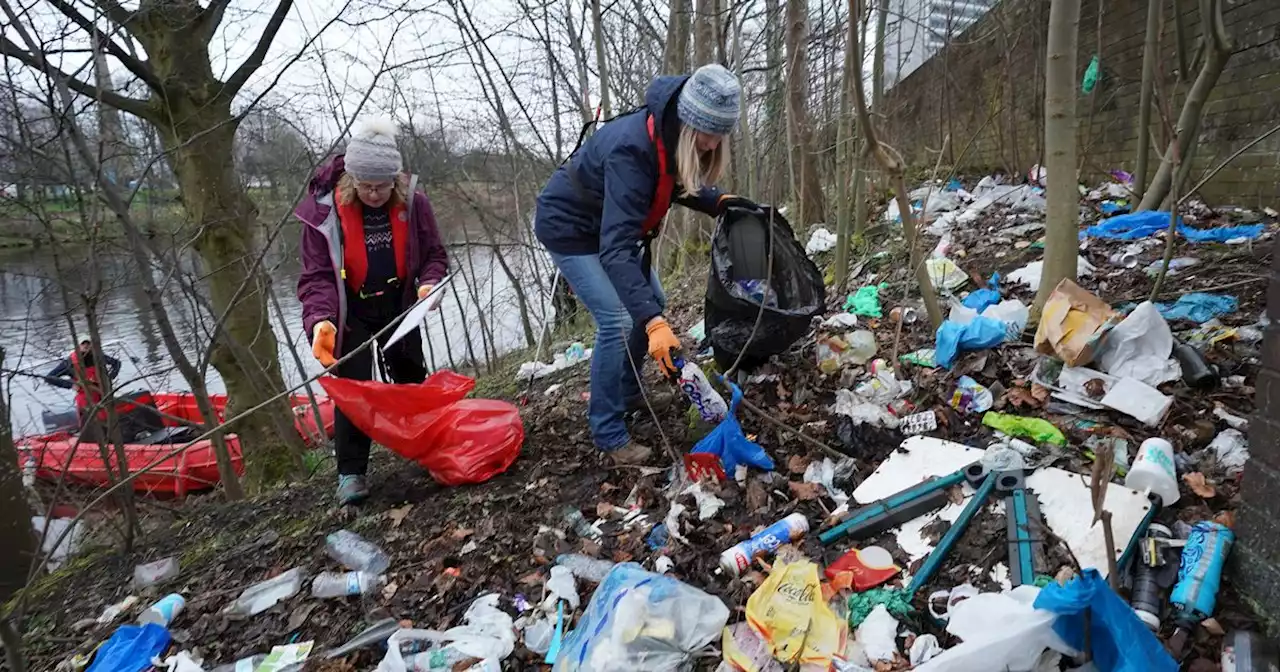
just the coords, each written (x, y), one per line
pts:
(1154, 471)
(163, 612)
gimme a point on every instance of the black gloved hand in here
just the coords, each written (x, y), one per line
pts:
(734, 201)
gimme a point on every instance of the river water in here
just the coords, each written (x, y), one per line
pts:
(34, 331)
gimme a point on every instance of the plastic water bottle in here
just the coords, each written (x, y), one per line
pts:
(340, 584)
(694, 384)
(1145, 597)
(787, 530)
(164, 611)
(243, 665)
(262, 596)
(585, 568)
(1200, 573)
(355, 553)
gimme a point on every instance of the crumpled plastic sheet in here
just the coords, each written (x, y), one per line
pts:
(1030, 274)
(1118, 640)
(861, 604)
(1198, 307)
(130, 649)
(1139, 347)
(980, 333)
(979, 299)
(1232, 449)
(865, 301)
(1143, 224)
(489, 634)
(862, 411)
(1039, 429)
(1000, 631)
(821, 240)
(729, 443)
(878, 635)
(675, 618)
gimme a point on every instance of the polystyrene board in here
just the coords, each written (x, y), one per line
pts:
(1067, 506)
(916, 460)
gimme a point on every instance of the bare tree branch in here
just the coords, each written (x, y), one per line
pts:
(139, 68)
(255, 59)
(133, 106)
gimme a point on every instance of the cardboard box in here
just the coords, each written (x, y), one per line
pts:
(1073, 324)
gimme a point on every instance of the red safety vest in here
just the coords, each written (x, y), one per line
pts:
(666, 186)
(82, 375)
(355, 259)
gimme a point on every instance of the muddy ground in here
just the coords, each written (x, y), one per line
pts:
(450, 545)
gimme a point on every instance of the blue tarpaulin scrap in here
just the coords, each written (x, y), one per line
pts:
(1145, 224)
(982, 332)
(1118, 640)
(1198, 307)
(130, 649)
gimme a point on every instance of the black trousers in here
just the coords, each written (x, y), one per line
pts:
(403, 364)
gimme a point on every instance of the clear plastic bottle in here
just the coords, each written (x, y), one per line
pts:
(338, 584)
(585, 568)
(356, 553)
(262, 596)
(243, 665)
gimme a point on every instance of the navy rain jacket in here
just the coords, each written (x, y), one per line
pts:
(604, 213)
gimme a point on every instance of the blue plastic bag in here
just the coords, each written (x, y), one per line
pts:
(1119, 641)
(1220, 234)
(639, 620)
(729, 443)
(982, 332)
(1198, 307)
(130, 649)
(979, 299)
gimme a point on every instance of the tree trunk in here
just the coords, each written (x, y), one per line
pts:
(1149, 57)
(805, 181)
(1218, 48)
(1063, 211)
(846, 149)
(745, 153)
(774, 105)
(704, 33)
(15, 514)
(675, 53)
(602, 61)
(877, 62)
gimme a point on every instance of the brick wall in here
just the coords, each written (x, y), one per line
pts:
(987, 92)
(1256, 561)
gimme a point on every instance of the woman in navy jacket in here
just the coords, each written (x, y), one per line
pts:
(600, 210)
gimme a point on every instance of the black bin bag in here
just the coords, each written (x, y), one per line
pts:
(736, 288)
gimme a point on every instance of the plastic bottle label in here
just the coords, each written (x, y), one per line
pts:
(353, 583)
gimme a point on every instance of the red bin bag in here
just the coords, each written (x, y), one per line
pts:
(458, 440)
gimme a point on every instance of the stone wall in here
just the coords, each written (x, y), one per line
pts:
(986, 91)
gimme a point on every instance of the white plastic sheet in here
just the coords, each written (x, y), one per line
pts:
(821, 240)
(489, 634)
(877, 635)
(1030, 274)
(1139, 348)
(1000, 631)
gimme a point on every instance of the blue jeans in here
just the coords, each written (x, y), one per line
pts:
(613, 380)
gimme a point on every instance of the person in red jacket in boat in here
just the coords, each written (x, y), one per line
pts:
(79, 372)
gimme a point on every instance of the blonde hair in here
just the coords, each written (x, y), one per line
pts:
(697, 170)
(346, 190)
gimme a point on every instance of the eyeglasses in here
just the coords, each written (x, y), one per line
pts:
(374, 188)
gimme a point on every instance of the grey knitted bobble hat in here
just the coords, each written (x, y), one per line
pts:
(709, 100)
(372, 154)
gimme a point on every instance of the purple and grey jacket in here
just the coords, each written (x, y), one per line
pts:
(320, 287)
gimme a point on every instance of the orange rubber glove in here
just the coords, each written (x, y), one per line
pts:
(324, 339)
(424, 290)
(662, 343)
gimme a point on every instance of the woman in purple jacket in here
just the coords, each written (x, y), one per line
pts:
(370, 249)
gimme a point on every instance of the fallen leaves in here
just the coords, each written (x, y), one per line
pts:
(796, 464)
(757, 497)
(1213, 627)
(397, 516)
(805, 492)
(1195, 480)
(389, 591)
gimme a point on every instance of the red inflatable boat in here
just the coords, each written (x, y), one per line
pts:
(153, 424)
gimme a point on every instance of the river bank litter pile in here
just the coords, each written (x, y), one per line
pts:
(940, 517)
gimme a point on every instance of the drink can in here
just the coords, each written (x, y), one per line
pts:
(738, 559)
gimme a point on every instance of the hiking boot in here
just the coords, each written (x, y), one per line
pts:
(632, 453)
(352, 489)
(660, 400)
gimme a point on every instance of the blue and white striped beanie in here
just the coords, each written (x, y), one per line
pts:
(709, 100)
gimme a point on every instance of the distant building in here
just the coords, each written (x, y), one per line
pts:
(918, 29)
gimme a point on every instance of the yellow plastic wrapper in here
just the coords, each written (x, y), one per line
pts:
(789, 614)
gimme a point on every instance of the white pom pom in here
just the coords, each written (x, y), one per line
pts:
(378, 127)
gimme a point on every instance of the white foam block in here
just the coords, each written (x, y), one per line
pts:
(1067, 507)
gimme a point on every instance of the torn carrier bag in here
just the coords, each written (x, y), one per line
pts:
(739, 283)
